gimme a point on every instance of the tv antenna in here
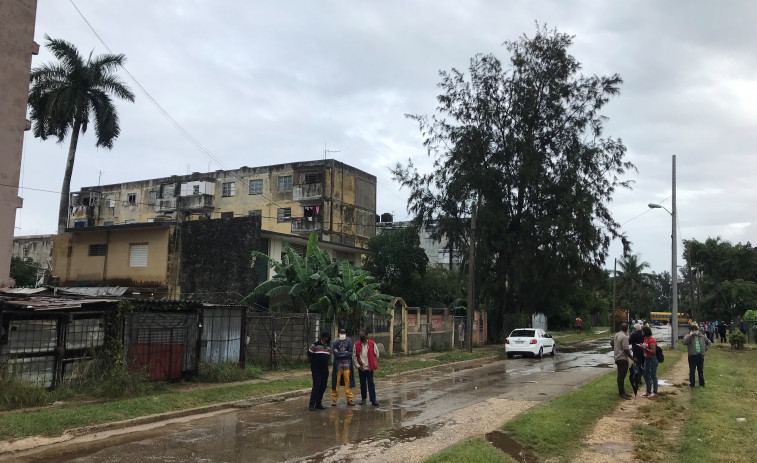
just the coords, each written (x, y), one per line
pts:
(327, 151)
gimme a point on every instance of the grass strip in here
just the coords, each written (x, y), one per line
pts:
(53, 422)
(556, 429)
(714, 430)
(410, 364)
(471, 451)
(570, 336)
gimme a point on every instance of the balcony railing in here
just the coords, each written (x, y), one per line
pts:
(306, 224)
(307, 191)
(165, 205)
(201, 202)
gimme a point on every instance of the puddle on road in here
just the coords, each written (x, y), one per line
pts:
(506, 444)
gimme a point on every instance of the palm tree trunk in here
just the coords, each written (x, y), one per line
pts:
(64, 207)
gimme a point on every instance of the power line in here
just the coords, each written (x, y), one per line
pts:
(184, 132)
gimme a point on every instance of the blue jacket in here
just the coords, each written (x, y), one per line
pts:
(338, 356)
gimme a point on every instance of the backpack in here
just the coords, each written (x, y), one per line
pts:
(660, 355)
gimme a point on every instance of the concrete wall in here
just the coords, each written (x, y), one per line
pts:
(216, 265)
(17, 46)
(38, 248)
(74, 266)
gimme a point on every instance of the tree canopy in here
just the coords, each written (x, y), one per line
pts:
(71, 93)
(398, 263)
(524, 144)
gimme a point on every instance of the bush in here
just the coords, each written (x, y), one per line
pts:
(226, 372)
(17, 393)
(738, 339)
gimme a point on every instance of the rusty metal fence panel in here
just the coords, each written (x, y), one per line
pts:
(276, 338)
(45, 349)
(221, 339)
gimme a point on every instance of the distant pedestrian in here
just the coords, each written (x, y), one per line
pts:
(649, 346)
(319, 354)
(696, 345)
(366, 357)
(711, 332)
(342, 371)
(622, 354)
(722, 327)
(461, 334)
(579, 325)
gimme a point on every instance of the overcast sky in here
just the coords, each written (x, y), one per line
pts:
(268, 82)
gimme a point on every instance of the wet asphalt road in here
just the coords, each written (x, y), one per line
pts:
(288, 431)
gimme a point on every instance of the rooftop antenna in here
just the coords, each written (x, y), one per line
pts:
(99, 176)
(326, 151)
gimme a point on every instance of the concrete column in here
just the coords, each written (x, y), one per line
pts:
(17, 19)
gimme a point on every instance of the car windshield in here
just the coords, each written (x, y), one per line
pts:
(522, 334)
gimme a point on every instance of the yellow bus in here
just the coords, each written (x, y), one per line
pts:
(664, 317)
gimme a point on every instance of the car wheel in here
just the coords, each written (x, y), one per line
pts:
(553, 350)
(509, 355)
(541, 353)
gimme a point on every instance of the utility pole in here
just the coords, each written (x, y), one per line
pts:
(471, 274)
(614, 278)
(674, 265)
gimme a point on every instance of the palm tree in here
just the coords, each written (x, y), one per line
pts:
(66, 94)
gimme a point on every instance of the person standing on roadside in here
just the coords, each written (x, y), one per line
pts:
(635, 340)
(319, 354)
(649, 346)
(696, 345)
(622, 355)
(461, 334)
(342, 372)
(366, 357)
(711, 331)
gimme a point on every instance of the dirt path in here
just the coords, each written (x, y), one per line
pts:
(613, 439)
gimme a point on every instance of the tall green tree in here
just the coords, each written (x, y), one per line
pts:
(398, 263)
(24, 271)
(525, 144)
(71, 93)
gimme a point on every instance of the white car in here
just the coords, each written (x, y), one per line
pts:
(529, 341)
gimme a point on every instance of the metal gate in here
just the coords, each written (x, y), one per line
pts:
(276, 338)
(163, 343)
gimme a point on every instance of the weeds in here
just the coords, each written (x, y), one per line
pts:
(226, 372)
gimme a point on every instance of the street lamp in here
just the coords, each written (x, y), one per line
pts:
(674, 263)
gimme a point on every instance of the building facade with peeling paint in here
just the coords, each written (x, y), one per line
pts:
(336, 200)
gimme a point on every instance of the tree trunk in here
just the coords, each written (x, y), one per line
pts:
(64, 207)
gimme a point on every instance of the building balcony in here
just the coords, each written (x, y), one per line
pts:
(307, 192)
(199, 203)
(306, 224)
(165, 205)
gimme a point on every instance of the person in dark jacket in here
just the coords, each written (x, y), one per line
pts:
(319, 354)
(696, 345)
(635, 340)
(342, 373)
(722, 327)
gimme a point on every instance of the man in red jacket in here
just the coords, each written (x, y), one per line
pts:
(366, 358)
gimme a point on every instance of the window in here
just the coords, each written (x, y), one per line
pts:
(131, 198)
(284, 214)
(313, 178)
(127, 221)
(107, 223)
(96, 250)
(227, 189)
(285, 183)
(256, 213)
(152, 197)
(256, 187)
(138, 255)
(311, 213)
(80, 223)
(195, 189)
(227, 215)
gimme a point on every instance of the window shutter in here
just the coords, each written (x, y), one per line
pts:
(138, 255)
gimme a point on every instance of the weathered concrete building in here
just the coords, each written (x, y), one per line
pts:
(17, 46)
(191, 236)
(334, 199)
(438, 252)
(38, 248)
